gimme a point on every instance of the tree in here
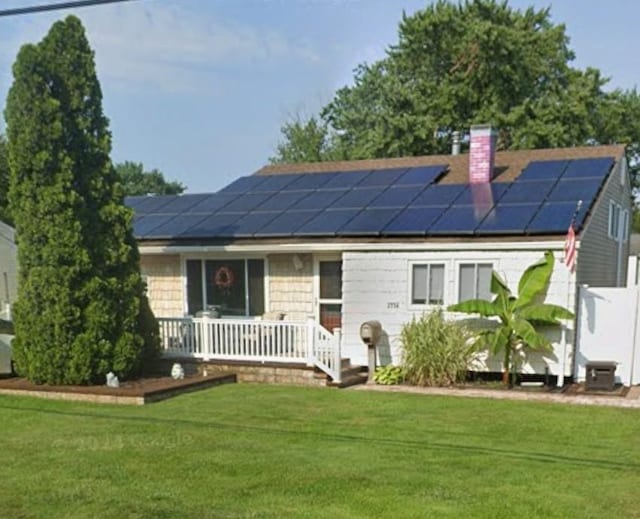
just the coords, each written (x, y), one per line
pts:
(136, 181)
(519, 316)
(305, 140)
(81, 310)
(454, 65)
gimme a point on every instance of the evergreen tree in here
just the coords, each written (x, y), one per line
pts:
(4, 181)
(81, 310)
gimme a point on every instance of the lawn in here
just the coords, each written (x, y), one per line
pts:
(266, 451)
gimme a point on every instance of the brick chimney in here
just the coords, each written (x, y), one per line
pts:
(482, 153)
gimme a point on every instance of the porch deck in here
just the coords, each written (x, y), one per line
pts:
(287, 342)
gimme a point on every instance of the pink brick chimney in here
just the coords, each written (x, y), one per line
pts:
(482, 153)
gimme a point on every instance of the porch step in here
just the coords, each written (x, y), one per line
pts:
(350, 376)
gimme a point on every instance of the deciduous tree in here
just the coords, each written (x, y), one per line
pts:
(136, 181)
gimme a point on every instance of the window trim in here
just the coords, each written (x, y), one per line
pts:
(428, 264)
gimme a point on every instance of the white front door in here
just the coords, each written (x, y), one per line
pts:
(328, 292)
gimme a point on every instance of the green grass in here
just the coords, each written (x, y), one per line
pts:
(266, 451)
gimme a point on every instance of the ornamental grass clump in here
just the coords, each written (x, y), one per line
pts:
(436, 352)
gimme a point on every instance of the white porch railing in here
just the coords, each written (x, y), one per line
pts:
(252, 340)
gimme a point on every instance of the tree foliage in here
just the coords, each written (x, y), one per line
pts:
(454, 65)
(136, 181)
(519, 316)
(81, 310)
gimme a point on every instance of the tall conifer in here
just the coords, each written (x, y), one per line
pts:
(81, 310)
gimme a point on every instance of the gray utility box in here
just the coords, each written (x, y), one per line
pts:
(601, 375)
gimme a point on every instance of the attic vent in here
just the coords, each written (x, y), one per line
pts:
(482, 151)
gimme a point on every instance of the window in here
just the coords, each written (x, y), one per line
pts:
(614, 219)
(475, 281)
(233, 287)
(624, 235)
(427, 284)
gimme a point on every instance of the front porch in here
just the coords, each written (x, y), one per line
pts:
(303, 343)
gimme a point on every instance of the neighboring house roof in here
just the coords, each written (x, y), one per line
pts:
(534, 193)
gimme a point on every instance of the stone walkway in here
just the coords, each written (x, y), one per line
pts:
(631, 400)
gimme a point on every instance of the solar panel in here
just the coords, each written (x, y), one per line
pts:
(368, 222)
(281, 201)
(555, 217)
(320, 199)
(182, 203)
(311, 181)
(508, 219)
(589, 168)
(275, 183)
(243, 185)
(247, 202)
(134, 201)
(421, 176)
(177, 226)
(249, 224)
(286, 223)
(144, 225)
(482, 193)
(413, 220)
(438, 195)
(212, 203)
(396, 197)
(382, 178)
(573, 190)
(543, 170)
(153, 204)
(212, 226)
(346, 179)
(327, 222)
(459, 219)
(523, 192)
(357, 198)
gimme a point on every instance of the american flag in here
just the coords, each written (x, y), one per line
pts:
(570, 249)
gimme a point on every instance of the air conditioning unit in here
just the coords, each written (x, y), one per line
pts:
(601, 375)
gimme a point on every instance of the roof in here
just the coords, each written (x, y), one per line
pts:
(534, 194)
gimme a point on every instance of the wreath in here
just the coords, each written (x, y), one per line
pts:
(224, 277)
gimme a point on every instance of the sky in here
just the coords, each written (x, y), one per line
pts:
(199, 89)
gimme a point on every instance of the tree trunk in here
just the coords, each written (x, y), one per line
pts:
(506, 379)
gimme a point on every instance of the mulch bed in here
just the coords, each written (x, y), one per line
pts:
(143, 390)
(579, 389)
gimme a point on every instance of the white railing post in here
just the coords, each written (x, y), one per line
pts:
(311, 342)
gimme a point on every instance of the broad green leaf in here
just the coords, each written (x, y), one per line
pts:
(499, 339)
(530, 336)
(475, 306)
(545, 313)
(534, 280)
(498, 285)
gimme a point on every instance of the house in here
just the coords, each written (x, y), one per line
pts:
(8, 270)
(331, 245)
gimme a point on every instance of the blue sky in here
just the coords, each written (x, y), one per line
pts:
(200, 88)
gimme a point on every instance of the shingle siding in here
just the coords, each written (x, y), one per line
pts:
(600, 261)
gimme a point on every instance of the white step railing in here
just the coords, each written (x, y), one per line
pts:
(252, 340)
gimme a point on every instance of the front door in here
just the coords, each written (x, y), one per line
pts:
(329, 293)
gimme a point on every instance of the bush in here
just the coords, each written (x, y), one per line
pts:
(388, 375)
(436, 352)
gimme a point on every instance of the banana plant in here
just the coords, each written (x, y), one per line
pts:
(519, 316)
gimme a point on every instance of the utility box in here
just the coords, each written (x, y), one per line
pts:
(370, 333)
(601, 375)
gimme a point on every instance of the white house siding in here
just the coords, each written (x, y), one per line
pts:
(290, 285)
(164, 284)
(600, 261)
(8, 267)
(376, 285)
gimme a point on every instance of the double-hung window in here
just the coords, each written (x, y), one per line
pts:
(474, 281)
(427, 284)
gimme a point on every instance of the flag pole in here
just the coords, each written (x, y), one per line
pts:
(571, 268)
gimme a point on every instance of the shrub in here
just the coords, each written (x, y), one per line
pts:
(388, 375)
(436, 352)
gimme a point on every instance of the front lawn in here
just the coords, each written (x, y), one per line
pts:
(266, 451)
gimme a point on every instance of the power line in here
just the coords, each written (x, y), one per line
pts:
(55, 7)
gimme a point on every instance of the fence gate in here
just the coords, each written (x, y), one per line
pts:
(608, 329)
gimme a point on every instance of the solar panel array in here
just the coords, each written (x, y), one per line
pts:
(392, 202)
